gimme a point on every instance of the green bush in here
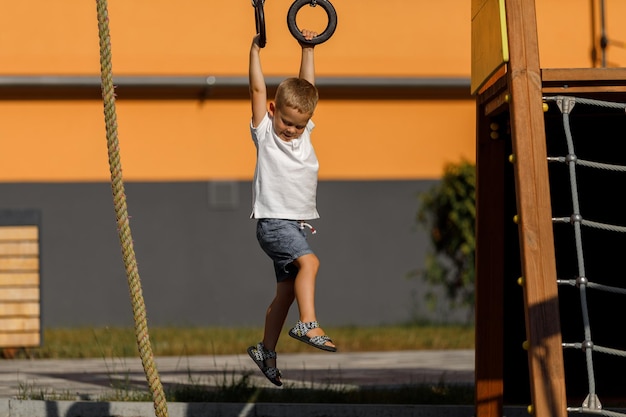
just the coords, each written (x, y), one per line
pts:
(448, 212)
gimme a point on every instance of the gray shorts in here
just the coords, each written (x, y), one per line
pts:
(284, 241)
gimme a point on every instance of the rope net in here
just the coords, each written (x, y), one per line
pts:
(583, 281)
(121, 213)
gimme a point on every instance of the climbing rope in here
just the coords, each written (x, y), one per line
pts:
(121, 213)
(565, 104)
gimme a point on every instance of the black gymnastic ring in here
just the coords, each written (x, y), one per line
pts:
(259, 17)
(322, 37)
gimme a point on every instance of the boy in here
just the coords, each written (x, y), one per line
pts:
(284, 197)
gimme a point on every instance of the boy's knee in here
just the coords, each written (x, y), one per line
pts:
(308, 261)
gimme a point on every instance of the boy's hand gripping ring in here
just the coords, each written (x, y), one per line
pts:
(322, 37)
(259, 15)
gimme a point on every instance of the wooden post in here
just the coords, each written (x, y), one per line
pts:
(489, 56)
(543, 330)
(490, 157)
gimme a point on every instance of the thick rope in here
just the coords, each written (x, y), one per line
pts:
(121, 213)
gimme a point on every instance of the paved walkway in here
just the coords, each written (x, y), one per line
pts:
(83, 382)
(90, 378)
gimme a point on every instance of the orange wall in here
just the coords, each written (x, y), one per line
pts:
(184, 140)
(189, 140)
(567, 30)
(213, 37)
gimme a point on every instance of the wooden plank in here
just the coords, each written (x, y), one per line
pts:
(489, 40)
(19, 279)
(19, 294)
(18, 324)
(19, 264)
(19, 248)
(497, 103)
(489, 291)
(583, 80)
(615, 76)
(8, 340)
(545, 355)
(19, 233)
(583, 90)
(20, 308)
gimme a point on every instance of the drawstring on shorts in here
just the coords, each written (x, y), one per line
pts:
(304, 224)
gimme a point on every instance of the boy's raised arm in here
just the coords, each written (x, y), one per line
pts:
(258, 89)
(307, 63)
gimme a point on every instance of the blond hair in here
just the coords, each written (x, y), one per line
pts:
(297, 93)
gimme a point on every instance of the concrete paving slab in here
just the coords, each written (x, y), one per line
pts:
(84, 381)
(90, 378)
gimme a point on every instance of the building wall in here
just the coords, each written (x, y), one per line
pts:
(377, 149)
(60, 140)
(183, 140)
(200, 263)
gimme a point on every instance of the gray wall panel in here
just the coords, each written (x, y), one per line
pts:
(200, 263)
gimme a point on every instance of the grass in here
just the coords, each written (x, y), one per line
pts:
(190, 341)
(236, 387)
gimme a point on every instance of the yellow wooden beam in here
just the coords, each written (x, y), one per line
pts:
(490, 46)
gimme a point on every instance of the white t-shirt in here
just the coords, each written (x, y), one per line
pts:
(285, 178)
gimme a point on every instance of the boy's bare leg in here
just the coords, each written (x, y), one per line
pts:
(304, 287)
(276, 315)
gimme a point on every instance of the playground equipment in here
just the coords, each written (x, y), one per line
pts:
(516, 227)
(326, 33)
(121, 214)
(331, 14)
(259, 18)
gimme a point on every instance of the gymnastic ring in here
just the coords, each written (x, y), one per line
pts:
(259, 15)
(322, 37)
